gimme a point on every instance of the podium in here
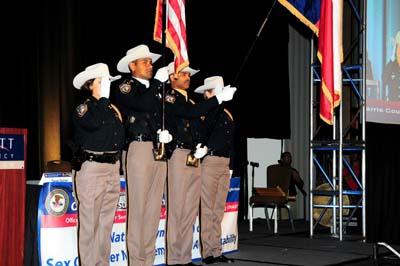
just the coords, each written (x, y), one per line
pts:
(12, 194)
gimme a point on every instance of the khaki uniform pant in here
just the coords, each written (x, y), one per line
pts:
(214, 189)
(145, 183)
(183, 206)
(97, 188)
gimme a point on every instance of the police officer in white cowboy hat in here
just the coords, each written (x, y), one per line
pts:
(188, 69)
(99, 133)
(183, 181)
(139, 98)
(215, 172)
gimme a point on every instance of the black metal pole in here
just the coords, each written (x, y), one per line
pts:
(375, 253)
(246, 58)
(245, 191)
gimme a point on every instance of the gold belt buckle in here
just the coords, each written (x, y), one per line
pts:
(191, 160)
(159, 153)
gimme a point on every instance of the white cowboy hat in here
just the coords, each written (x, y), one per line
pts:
(171, 69)
(91, 72)
(215, 82)
(138, 52)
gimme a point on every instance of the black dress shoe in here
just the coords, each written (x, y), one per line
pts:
(210, 260)
(224, 259)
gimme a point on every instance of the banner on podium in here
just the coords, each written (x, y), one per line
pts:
(58, 220)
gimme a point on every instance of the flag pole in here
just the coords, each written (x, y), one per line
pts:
(164, 48)
(159, 154)
(252, 45)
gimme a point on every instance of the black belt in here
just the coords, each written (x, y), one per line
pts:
(102, 158)
(218, 153)
(182, 145)
(141, 137)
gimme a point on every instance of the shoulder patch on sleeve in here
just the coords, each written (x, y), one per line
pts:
(81, 109)
(170, 98)
(125, 87)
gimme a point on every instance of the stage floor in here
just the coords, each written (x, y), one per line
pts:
(261, 247)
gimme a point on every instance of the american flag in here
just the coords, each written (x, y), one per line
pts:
(175, 31)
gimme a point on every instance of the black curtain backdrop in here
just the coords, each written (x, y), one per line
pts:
(19, 88)
(383, 183)
(39, 60)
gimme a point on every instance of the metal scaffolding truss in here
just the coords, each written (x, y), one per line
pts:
(329, 156)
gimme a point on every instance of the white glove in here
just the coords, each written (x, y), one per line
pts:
(105, 87)
(200, 151)
(162, 74)
(164, 136)
(218, 89)
(226, 94)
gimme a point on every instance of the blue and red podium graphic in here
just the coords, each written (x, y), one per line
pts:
(58, 221)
